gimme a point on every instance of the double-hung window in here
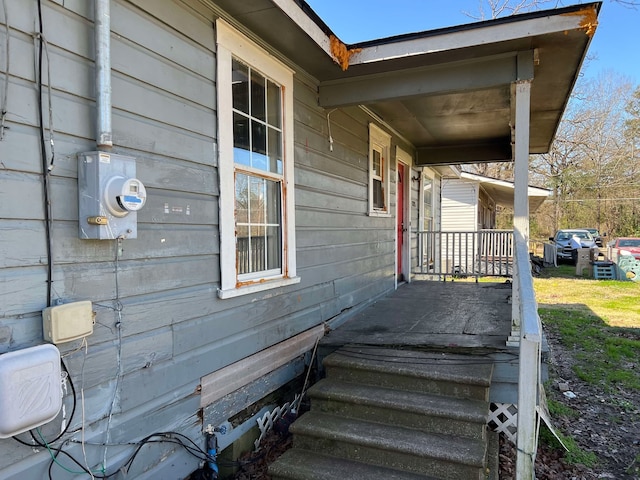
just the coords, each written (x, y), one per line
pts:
(379, 148)
(255, 114)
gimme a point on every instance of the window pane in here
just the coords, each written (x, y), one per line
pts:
(243, 249)
(241, 142)
(258, 224)
(272, 206)
(240, 86)
(275, 151)
(377, 170)
(258, 94)
(274, 102)
(257, 201)
(259, 146)
(378, 194)
(273, 248)
(258, 248)
(427, 191)
(242, 199)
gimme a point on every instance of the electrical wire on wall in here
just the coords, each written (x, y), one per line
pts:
(329, 129)
(54, 446)
(46, 171)
(7, 64)
(117, 307)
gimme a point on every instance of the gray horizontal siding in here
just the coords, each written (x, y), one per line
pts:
(172, 327)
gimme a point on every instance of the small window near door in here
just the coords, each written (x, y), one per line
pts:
(379, 148)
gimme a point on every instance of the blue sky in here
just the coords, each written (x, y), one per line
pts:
(615, 45)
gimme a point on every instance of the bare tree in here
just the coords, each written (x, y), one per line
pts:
(590, 165)
(489, 9)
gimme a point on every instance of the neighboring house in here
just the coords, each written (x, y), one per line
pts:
(262, 193)
(467, 241)
(469, 201)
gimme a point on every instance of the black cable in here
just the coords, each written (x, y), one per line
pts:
(73, 411)
(175, 438)
(54, 460)
(45, 170)
(68, 424)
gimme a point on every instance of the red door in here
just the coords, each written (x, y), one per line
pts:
(400, 217)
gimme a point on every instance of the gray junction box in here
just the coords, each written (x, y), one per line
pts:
(109, 196)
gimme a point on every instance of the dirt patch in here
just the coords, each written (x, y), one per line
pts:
(606, 423)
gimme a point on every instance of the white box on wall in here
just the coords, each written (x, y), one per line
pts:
(67, 322)
(30, 388)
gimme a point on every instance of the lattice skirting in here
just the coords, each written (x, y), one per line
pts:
(503, 418)
(268, 420)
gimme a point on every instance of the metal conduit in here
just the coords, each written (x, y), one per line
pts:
(103, 73)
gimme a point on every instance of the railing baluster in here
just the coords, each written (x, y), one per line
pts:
(478, 254)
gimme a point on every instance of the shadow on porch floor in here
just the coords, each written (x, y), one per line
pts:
(458, 316)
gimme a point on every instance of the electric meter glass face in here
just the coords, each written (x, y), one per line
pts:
(124, 195)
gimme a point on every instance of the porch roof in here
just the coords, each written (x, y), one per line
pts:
(449, 92)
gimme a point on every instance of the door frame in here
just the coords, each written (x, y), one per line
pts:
(404, 158)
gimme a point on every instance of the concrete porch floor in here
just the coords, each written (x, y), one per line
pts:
(453, 316)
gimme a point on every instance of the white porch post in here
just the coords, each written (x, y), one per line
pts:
(527, 390)
(521, 125)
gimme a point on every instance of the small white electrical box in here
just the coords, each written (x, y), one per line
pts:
(63, 323)
(30, 388)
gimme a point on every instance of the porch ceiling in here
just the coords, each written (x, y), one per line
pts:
(449, 91)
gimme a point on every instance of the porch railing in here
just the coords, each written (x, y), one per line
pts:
(496, 253)
(529, 369)
(465, 254)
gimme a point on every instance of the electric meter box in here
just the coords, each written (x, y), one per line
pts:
(109, 196)
(30, 388)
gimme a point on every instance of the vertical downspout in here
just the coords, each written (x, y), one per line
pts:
(103, 73)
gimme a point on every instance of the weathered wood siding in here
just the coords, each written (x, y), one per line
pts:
(143, 364)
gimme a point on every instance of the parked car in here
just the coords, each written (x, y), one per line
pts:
(564, 249)
(595, 234)
(624, 246)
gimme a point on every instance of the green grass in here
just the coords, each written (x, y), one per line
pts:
(604, 354)
(574, 453)
(616, 303)
(599, 320)
(560, 409)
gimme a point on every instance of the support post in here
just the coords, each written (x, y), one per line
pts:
(527, 391)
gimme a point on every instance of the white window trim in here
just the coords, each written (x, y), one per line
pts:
(428, 174)
(382, 140)
(231, 43)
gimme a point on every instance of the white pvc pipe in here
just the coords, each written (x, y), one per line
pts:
(103, 73)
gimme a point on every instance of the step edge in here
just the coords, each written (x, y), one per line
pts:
(435, 448)
(472, 380)
(475, 414)
(309, 456)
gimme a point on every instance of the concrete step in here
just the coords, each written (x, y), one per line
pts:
(459, 376)
(420, 411)
(390, 446)
(304, 465)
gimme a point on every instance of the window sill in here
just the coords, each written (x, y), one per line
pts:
(375, 213)
(257, 287)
